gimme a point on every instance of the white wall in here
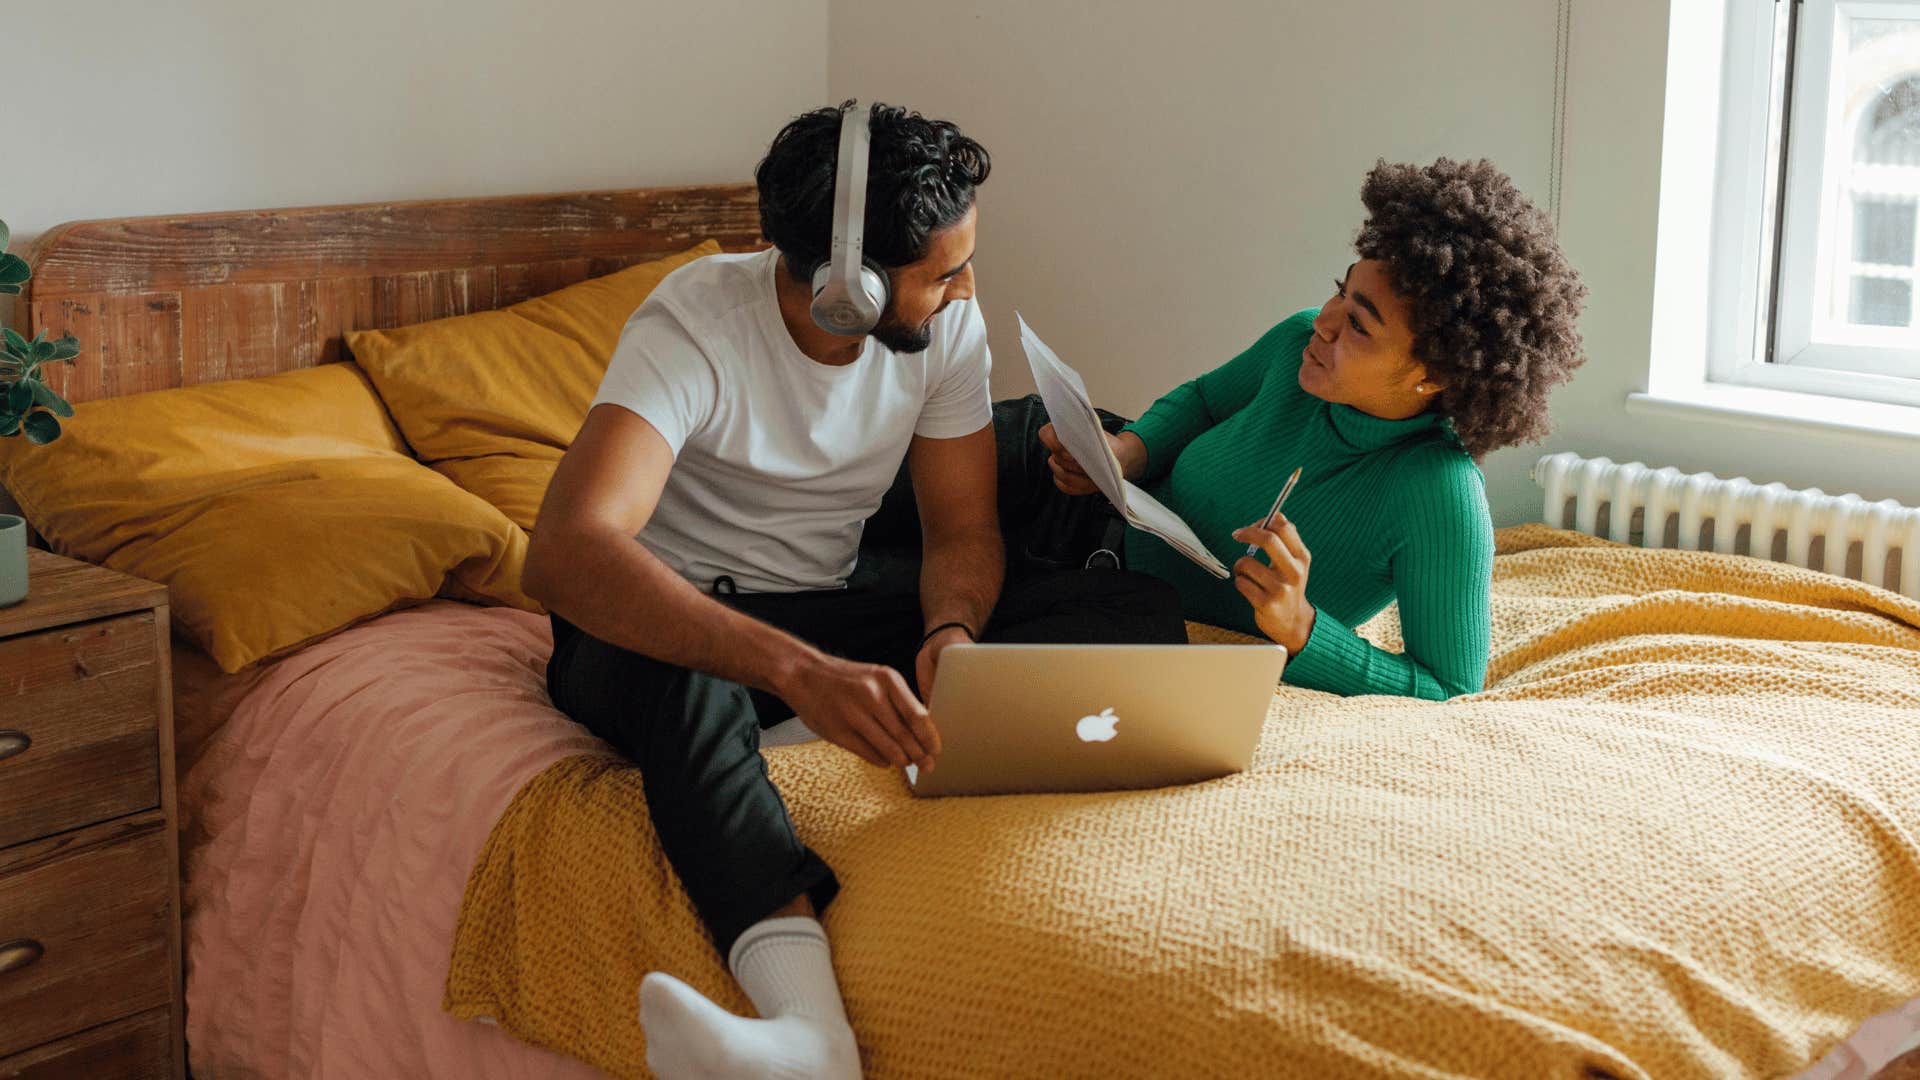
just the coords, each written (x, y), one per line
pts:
(118, 108)
(1170, 180)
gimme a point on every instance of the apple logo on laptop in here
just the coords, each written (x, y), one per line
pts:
(1097, 728)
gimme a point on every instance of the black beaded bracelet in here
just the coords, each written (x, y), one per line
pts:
(971, 636)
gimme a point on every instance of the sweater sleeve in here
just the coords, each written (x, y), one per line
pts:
(1184, 413)
(1442, 577)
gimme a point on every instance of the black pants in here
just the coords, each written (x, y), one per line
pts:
(696, 737)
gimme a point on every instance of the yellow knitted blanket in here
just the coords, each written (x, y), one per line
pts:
(1675, 837)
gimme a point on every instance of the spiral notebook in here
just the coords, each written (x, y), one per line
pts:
(1078, 425)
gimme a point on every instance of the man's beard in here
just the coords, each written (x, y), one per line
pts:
(901, 338)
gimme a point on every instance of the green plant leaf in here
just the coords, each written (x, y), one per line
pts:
(66, 348)
(20, 396)
(9, 425)
(13, 269)
(44, 395)
(9, 290)
(43, 351)
(15, 342)
(4, 236)
(41, 428)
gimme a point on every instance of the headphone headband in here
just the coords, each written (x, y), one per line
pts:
(848, 294)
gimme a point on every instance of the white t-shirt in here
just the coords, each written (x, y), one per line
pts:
(778, 459)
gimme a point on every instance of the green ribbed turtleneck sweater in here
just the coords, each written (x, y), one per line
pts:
(1390, 509)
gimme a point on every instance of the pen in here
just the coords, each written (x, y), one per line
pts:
(1267, 522)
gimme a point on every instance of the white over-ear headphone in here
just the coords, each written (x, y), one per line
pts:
(850, 290)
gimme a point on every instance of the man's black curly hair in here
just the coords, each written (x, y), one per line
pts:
(921, 176)
(1493, 302)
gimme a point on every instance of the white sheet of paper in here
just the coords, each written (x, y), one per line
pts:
(1149, 514)
(1078, 425)
(1074, 419)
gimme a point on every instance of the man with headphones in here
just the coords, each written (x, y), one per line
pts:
(753, 416)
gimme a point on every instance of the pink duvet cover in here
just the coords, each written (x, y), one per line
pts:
(330, 826)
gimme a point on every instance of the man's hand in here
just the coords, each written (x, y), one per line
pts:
(925, 665)
(865, 708)
(1277, 590)
(1068, 474)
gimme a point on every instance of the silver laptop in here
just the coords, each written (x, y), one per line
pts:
(1055, 718)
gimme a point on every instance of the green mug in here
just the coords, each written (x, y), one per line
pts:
(13, 559)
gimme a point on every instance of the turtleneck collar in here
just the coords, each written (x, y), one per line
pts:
(1362, 431)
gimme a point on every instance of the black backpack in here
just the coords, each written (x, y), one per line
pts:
(1045, 529)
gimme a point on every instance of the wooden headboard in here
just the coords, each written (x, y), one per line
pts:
(160, 302)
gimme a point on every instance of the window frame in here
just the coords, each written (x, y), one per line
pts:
(1766, 230)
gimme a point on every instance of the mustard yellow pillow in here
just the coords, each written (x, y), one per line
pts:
(493, 399)
(276, 510)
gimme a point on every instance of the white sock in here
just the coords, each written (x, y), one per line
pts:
(786, 969)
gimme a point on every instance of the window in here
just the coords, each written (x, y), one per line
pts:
(1816, 262)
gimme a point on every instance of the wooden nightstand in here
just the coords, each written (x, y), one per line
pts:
(90, 976)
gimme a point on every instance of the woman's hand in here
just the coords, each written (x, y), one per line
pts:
(1277, 589)
(1071, 478)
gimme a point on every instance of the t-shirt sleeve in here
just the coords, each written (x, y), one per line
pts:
(959, 402)
(659, 373)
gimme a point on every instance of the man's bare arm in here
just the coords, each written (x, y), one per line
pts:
(585, 565)
(963, 560)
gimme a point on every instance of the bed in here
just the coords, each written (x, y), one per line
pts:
(1676, 835)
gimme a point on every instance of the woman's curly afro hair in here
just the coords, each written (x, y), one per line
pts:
(1493, 302)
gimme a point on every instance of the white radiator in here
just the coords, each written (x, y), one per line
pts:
(1842, 534)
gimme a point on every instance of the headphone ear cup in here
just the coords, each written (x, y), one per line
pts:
(878, 284)
(851, 311)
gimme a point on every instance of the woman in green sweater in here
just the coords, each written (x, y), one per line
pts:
(1438, 346)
